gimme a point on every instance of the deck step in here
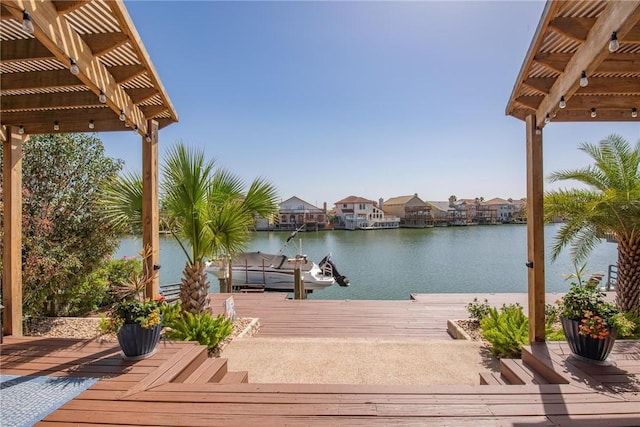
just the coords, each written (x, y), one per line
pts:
(236, 377)
(210, 371)
(175, 369)
(515, 371)
(538, 358)
(491, 378)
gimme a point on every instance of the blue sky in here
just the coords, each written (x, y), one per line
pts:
(374, 99)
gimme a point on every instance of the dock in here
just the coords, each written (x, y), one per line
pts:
(180, 386)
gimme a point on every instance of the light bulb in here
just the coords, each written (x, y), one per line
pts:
(634, 112)
(147, 138)
(135, 128)
(122, 116)
(562, 103)
(56, 126)
(102, 98)
(547, 118)
(91, 124)
(27, 23)
(593, 112)
(584, 81)
(21, 130)
(538, 130)
(74, 67)
(614, 44)
(126, 124)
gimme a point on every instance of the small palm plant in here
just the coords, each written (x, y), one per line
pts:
(205, 208)
(609, 205)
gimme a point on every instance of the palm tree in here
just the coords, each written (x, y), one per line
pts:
(205, 209)
(609, 205)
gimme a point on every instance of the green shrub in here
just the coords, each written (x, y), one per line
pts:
(96, 290)
(507, 330)
(478, 310)
(201, 327)
(553, 330)
(628, 325)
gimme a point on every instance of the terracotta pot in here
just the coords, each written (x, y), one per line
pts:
(587, 347)
(137, 342)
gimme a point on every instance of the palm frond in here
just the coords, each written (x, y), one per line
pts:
(122, 203)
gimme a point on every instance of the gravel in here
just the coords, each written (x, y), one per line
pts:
(87, 328)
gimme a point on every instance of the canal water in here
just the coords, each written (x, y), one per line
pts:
(391, 264)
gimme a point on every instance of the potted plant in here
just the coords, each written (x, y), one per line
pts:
(588, 321)
(135, 318)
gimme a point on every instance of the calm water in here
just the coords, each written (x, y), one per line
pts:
(391, 264)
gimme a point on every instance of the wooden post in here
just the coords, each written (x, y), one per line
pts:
(150, 205)
(12, 253)
(297, 287)
(535, 232)
(298, 283)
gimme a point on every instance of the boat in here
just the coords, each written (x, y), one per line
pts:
(275, 272)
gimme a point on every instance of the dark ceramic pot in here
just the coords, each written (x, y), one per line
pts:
(137, 342)
(587, 347)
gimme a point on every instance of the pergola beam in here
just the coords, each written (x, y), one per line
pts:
(573, 28)
(24, 49)
(36, 80)
(57, 35)
(591, 54)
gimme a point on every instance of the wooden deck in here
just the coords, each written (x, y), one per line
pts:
(178, 386)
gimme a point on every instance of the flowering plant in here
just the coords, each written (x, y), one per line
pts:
(133, 306)
(593, 326)
(144, 311)
(586, 304)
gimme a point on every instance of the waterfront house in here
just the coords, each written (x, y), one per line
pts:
(353, 213)
(477, 211)
(412, 211)
(295, 212)
(506, 210)
(439, 212)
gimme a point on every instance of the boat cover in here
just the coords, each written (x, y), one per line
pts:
(261, 259)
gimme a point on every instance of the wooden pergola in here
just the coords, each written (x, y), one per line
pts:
(596, 40)
(73, 66)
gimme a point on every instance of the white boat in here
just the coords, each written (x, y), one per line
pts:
(276, 271)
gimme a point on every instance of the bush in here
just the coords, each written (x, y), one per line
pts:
(201, 327)
(478, 310)
(65, 236)
(507, 330)
(628, 325)
(96, 290)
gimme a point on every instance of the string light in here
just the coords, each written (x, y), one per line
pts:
(593, 112)
(135, 128)
(74, 67)
(21, 130)
(147, 138)
(102, 98)
(562, 103)
(91, 124)
(27, 23)
(122, 116)
(614, 44)
(547, 118)
(538, 130)
(56, 125)
(583, 79)
(634, 112)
